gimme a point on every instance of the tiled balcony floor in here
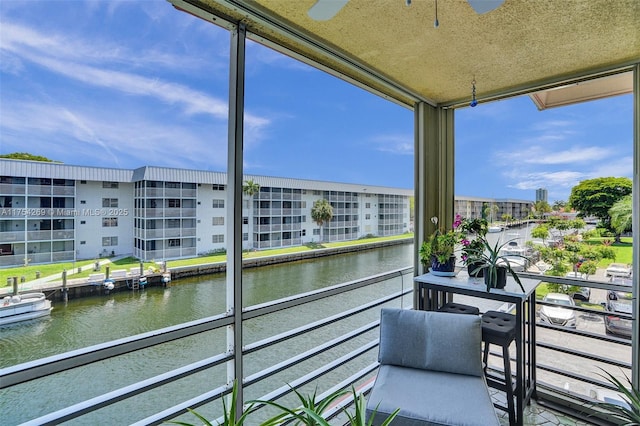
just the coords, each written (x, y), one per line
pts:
(535, 414)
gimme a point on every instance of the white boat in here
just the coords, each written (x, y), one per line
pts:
(109, 284)
(22, 307)
(495, 228)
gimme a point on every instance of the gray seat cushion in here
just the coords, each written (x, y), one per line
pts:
(430, 398)
(436, 341)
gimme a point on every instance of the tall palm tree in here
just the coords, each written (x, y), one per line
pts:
(321, 212)
(490, 211)
(620, 214)
(250, 188)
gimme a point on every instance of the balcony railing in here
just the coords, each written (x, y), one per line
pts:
(7, 188)
(11, 236)
(354, 324)
(566, 359)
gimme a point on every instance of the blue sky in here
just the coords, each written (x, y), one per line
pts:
(132, 83)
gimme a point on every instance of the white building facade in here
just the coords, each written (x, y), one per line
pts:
(51, 212)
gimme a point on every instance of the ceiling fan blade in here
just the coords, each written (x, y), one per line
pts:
(484, 6)
(324, 10)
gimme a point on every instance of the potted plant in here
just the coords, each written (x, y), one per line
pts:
(628, 412)
(310, 412)
(478, 228)
(439, 248)
(495, 265)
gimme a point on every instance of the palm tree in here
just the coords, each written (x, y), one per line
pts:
(321, 212)
(490, 211)
(250, 188)
(558, 206)
(620, 214)
(541, 207)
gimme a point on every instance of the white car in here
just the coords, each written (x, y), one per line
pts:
(557, 314)
(618, 270)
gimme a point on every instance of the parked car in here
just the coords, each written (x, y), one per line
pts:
(584, 293)
(618, 270)
(557, 314)
(618, 302)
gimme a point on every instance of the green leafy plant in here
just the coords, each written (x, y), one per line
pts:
(478, 227)
(229, 415)
(627, 415)
(359, 417)
(490, 259)
(308, 413)
(441, 244)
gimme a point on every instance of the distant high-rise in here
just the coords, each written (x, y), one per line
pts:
(541, 195)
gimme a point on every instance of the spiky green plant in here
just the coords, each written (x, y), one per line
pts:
(308, 413)
(627, 415)
(359, 417)
(229, 415)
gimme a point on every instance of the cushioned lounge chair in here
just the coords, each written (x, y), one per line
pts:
(430, 368)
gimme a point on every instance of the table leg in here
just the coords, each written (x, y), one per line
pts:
(519, 364)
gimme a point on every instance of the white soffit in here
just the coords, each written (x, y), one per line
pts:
(604, 87)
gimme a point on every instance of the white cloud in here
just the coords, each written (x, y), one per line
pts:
(539, 155)
(395, 144)
(563, 179)
(114, 138)
(616, 167)
(91, 62)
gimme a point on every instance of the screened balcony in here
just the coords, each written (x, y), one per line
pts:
(432, 83)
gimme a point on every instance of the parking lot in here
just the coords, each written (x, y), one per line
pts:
(585, 321)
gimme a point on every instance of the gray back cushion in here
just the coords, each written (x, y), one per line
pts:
(434, 341)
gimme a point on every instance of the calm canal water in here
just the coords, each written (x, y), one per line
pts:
(89, 321)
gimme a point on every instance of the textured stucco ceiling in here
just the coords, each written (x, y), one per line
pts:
(521, 44)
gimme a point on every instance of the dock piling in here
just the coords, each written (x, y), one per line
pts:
(65, 291)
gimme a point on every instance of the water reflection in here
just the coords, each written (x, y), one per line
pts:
(88, 321)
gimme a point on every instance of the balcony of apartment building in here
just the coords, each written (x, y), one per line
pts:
(336, 346)
(342, 343)
(12, 186)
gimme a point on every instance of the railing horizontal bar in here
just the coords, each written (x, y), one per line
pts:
(585, 355)
(589, 334)
(308, 354)
(272, 340)
(603, 285)
(577, 406)
(104, 400)
(301, 381)
(181, 408)
(270, 307)
(576, 376)
(25, 372)
(334, 411)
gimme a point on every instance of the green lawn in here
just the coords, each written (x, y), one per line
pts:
(624, 250)
(29, 272)
(127, 263)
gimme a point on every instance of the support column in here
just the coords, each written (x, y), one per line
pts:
(434, 174)
(635, 225)
(234, 205)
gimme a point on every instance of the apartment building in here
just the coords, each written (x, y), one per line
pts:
(52, 212)
(492, 209)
